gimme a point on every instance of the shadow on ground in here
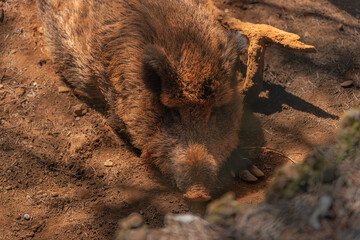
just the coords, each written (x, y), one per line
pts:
(350, 6)
(277, 96)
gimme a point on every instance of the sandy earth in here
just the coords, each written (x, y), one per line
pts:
(53, 163)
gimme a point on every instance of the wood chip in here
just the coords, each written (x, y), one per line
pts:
(108, 163)
(63, 89)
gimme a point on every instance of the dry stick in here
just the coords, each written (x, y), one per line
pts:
(260, 36)
(267, 149)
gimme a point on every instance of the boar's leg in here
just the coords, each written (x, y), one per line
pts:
(251, 175)
(243, 167)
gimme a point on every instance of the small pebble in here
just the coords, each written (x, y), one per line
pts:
(63, 89)
(19, 92)
(26, 216)
(284, 106)
(108, 163)
(134, 220)
(80, 109)
(341, 27)
(347, 83)
(1, 86)
(41, 30)
(8, 188)
(55, 194)
(324, 205)
(4, 123)
(264, 94)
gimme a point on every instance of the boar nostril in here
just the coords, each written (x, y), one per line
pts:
(197, 193)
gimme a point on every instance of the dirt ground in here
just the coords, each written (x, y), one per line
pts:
(75, 178)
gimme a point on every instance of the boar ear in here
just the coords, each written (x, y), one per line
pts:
(157, 67)
(232, 49)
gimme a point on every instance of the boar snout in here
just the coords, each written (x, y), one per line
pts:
(195, 171)
(197, 193)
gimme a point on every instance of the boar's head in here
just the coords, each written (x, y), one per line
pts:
(197, 89)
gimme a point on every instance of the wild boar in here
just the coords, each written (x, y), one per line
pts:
(167, 73)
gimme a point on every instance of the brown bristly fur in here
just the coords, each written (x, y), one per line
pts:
(166, 70)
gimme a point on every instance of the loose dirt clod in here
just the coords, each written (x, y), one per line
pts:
(80, 109)
(63, 89)
(19, 92)
(134, 220)
(77, 142)
(108, 163)
(55, 194)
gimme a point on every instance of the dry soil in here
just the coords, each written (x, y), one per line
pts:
(75, 178)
